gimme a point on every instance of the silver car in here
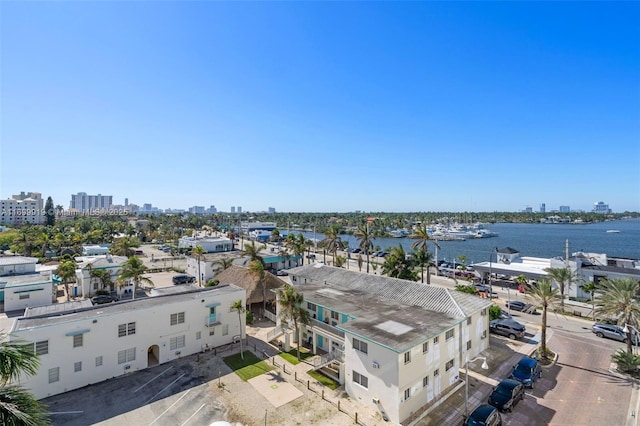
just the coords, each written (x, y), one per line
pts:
(612, 332)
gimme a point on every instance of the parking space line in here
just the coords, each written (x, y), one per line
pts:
(187, 421)
(65, 412)
(158, 375)
(169, 408)
(165, 388)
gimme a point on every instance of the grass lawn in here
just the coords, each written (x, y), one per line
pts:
(292, 355)
(248, 368)
(330, 383)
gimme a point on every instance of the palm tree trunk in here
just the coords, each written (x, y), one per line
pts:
(367, 261)
(295, 323)
(240, 322)
(428, 275)
(543, 340)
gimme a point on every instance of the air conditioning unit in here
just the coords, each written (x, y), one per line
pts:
(375, 365)
(376, 400)
(127, 367)
(178, 353)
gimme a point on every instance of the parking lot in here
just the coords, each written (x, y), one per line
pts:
(175, 393)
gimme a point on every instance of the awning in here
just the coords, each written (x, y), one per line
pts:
(212, 305)
(77, 332)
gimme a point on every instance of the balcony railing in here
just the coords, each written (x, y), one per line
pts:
(327, 327)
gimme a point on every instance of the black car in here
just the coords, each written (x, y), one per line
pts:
(516, 305)
(102, 299)
(506, 395)
(507, 327)
(484, 415)
(183, 279)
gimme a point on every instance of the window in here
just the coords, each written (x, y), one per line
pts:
(198, 335)
(468, 344)
(407, 357)
(77, 366)
(360, 379)
(42, 347)
(484, 312)
(469, 321)
(360, 346)
(334, 315)
(176, 342)
(436, 340)
(177, 318)
(54, 374)
(407, 393)
(77, 340)
(425, 347)
(98, 361)
(212, 331)
(484, 334)
(449, 365)
(436, 372)
(24, 296)
(225, 329)
(311, 306)
(449, 334)
(126, 355)
(126, 329)
(425, 381)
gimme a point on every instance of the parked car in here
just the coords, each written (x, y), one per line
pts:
(507, 327)
(611, 331)
(183, 279)
(527, 371)
(102, 299)
(516, 305)
(484, 415)
(506, 395)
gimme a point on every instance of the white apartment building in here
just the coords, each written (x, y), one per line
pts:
(210, 244)
(22, 286)
(82, 202)
(79, 344)
(396, 345)
(22, 208)
(85, 285)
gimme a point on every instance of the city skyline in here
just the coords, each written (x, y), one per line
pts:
(323, 107)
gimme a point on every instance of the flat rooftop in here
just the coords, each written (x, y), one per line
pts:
(72, 312)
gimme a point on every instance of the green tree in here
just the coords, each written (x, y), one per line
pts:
(240, 309)
(547, 296)
(563, 277)
(132, 271)
(49, 213)
(291, 310)
(124, 246)
(198, 251)
(333, 241)
(365, 240)
(398, 265)
(17, 406)
(618, 299)
(223, 263)
(422, 237)
(257, 270)
(626, 362)
(253, 252)
(67, 271)
(423, 258)
(591, 287)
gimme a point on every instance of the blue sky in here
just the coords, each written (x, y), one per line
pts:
(323, 106)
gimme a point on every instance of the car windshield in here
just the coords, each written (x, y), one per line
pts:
(522, 370)
(502, 390)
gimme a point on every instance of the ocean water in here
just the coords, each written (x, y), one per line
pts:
(537, 240)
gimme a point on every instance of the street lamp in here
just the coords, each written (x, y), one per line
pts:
(491, 270)
(484, 366)
(626, 330)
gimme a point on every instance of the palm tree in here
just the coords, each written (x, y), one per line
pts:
(291, 309)
(618, 299)
(563, 277)
(17, 406)
(239, 307)
(423, 258)
(124, 246)
(365, 238)
(333, 241)
(397, 265)
(253, 252)
(547, 296)
(133, 270)
(198, 251)
(224, 263)
(257, 270)
(422, 244)
(591, 287)
(522, 280)
(67, 271)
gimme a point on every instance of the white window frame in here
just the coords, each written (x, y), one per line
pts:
(360, 346)
(450, 334)
(177, 342)
(360, 379)
(54, 374)
(78, 340)
(77, 366)
(177, 318)
(407, 357)
(425, 347)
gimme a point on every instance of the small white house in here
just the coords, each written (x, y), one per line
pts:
(79, 344)
(85, 284)
(21, 285)
(209, 244)
(95, 250)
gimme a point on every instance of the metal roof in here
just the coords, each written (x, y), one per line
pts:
(17, 260)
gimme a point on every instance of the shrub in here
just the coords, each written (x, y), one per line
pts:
(212, 283)
(466, 289)
(249, 317)
(494, 312)
(627, 363)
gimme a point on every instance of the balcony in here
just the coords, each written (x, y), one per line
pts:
(328, 328)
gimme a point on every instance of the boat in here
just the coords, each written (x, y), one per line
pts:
(483, 233)
(613, 231)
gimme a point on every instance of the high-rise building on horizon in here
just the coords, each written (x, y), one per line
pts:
(543, 208)
(600, 207)
(233, 209)
(271, 209)
(82, 202)
(26, 207)
(565, 209)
